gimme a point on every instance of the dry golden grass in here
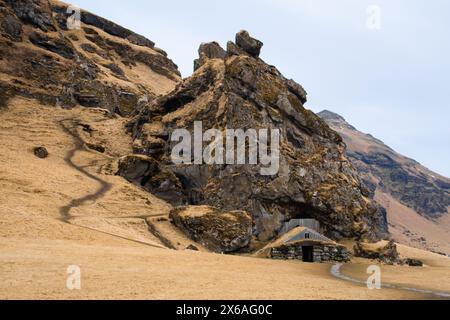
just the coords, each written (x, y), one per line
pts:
(107, 237)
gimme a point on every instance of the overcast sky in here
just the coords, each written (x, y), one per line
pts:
(392, 82)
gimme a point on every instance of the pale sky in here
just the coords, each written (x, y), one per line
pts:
(393, 83)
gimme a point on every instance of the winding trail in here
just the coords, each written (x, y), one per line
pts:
(101, 191)
(336, 272)
(104, 186)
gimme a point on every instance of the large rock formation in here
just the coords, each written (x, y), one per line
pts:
(208, 51)
(240, 91)
(100, 65)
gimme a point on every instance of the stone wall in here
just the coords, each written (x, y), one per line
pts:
(321, 253)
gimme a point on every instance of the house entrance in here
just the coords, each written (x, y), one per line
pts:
(308, 253)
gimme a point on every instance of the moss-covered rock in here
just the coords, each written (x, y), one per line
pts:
(217, 230)
(315, 179)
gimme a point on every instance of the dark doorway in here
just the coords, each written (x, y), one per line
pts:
(308, 254)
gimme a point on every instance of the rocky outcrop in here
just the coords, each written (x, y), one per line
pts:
(103, 24)
(207, 51)
(56, 45)
(217, 230)
(10, 25)
(250, 45)
(314, 180)
(152, 176)
(412, 262)
(387, 254)
(382, 168)
(34, 12)
(96, 66)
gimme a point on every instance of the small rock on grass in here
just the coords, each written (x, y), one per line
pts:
(40, 152)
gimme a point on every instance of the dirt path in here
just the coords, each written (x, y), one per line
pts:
(336, 272)
(91, 197)
(104, 186)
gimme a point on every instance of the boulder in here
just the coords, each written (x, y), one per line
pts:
(217, 230)
(40, 152)
(211, 50)
(387, 254)
(413, 262)
(250, 45)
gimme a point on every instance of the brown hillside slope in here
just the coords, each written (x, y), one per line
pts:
(99, 65)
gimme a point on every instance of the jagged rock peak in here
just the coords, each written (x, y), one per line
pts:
(211, 50)
(250, 45)
(245, 45)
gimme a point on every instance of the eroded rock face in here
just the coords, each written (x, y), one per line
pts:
(96, 66)
(314, 180)
(35, 12)
(10, 25)
(151, 176)
(217, 230)
(56, 45)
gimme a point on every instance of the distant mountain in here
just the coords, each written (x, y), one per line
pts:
(417, 200)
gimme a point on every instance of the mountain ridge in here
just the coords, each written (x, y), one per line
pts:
(398, 182)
